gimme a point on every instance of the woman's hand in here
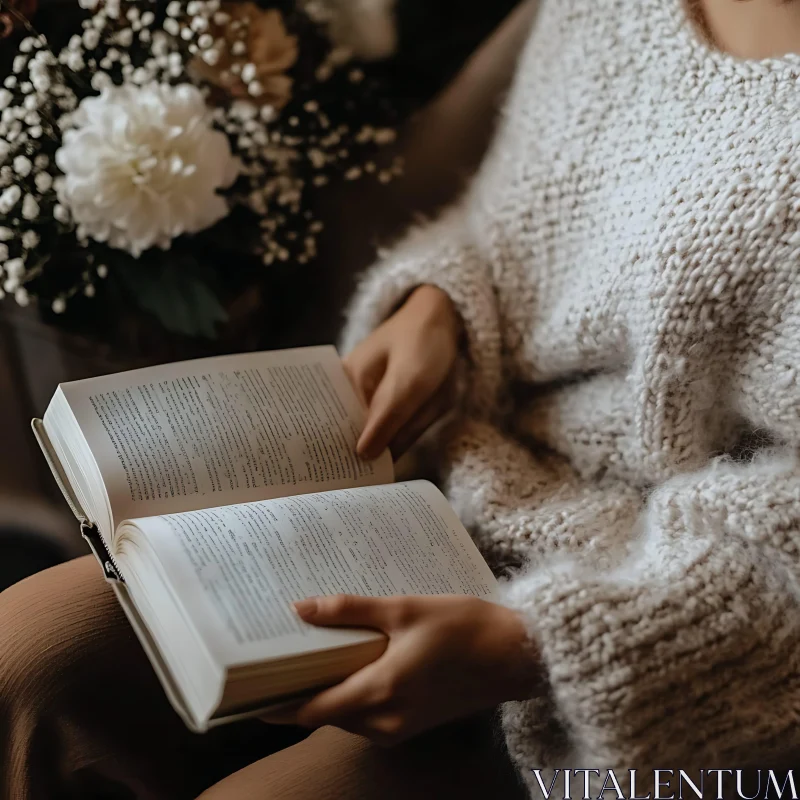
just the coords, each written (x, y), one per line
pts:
(447, 657)
(401, 370)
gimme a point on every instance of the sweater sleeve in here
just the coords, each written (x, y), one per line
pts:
(677, 642)
(444, 254)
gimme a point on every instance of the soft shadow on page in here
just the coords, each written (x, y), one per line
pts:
(236, 570)
(225, 430)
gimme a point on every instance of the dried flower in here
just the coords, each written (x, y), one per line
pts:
(142, 166)
(251, 55)
(367, 29)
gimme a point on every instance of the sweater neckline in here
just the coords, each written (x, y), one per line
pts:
(726, 63)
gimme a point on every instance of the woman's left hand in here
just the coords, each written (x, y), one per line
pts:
(447, 657)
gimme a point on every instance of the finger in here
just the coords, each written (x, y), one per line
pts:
(385, 729)
(436, 407)
(365, 370)
(397, 397)
(283, 713)
(345, 610)
(346, 703)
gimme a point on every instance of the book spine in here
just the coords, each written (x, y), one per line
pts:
(91, 534)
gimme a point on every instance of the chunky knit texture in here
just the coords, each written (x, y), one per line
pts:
(627, 265)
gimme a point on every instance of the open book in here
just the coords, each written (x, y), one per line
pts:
(216, 492)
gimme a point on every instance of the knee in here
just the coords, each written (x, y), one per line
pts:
(29, 646)
(44, 622)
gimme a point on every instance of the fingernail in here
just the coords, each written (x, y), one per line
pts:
(305, 608)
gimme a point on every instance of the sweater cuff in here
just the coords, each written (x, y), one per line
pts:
(663, 659)
(437, 255)
(584, 686)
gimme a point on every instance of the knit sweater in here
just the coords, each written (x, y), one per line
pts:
(627, 267)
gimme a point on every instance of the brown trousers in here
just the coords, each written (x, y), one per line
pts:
(83, 716)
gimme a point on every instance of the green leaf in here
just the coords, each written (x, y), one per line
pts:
(176, 293)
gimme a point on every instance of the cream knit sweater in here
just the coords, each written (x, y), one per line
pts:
(627, 265)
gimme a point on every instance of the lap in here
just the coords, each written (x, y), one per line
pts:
(81, 709)
(463, 760)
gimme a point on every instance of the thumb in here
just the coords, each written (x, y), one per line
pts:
(344, 609)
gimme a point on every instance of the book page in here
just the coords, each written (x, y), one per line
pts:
(236, 570)
(225, 430)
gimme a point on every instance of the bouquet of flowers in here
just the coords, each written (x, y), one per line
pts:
(169, 146)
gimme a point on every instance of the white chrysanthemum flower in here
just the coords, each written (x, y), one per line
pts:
(143, 165)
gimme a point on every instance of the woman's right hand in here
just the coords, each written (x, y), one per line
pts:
(403, 369)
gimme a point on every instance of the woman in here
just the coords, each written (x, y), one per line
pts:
(618, 298)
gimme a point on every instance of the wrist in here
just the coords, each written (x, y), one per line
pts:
(520, 676)
(434, 304)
